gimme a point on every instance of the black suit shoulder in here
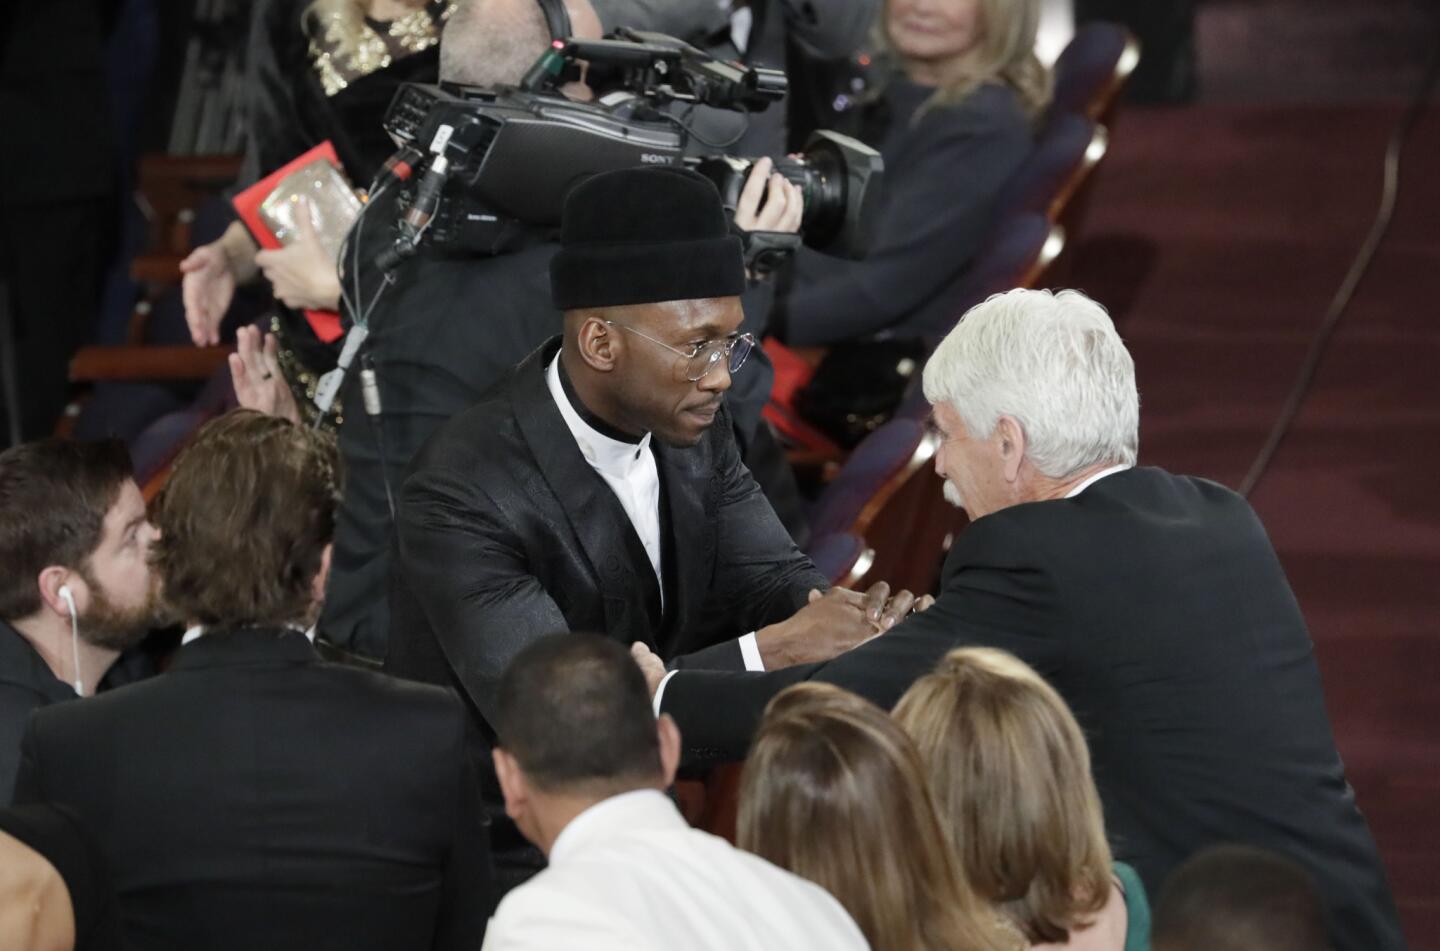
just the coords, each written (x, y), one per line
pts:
(17, 702)
(371, 693)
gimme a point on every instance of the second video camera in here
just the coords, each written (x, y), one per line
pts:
(498, 162)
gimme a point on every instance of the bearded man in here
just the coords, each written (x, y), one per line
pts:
(76, 588)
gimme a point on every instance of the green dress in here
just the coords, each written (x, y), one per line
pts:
(1137, 908)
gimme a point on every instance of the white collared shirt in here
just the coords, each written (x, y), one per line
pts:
(629, 469)
(628, 874)
(197, 630)
(1094, 479)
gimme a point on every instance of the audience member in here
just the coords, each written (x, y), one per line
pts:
(75, 589)
(1154, 603)
(1010, 773)
(584, 764)
(598, 486)
(835, 792)
(1238, 898)
(960, 89)
(254, 796)
(55, 894)
(316, 71)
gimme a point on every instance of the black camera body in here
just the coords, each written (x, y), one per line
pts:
(499, 162)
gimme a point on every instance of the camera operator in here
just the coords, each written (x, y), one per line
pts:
(452, 324)
(799, 36)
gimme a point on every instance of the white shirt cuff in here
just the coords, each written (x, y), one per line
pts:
(660, 691)
(750, 652)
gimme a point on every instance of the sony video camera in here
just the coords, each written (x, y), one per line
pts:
(499, 162)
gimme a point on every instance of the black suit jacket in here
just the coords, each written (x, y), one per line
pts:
(505, 533)
(1156, 606)
(26, 684)
(450, 327)
(256, 797)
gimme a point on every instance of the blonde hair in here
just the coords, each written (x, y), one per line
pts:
(835, 792)
(1011, 774)
(1004, 54)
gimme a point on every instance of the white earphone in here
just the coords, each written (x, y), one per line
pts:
(69, 600)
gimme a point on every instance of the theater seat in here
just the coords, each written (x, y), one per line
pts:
(841, 557)
(1067, 151)
(869, 478)
(1093, 69)
(1017, 253)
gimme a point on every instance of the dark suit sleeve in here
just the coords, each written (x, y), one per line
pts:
(760, 576)
(469, 874)
(996, 593)
(830, 29)
(468, 569)
(937, 210)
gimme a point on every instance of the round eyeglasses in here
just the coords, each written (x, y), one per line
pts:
(701, 358)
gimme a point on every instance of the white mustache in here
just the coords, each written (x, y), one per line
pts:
(952, 494)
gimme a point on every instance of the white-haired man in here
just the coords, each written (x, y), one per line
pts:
(1154, 603)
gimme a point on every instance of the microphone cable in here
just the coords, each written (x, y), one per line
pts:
(1320, 341)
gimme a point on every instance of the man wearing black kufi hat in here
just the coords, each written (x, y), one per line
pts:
(599, 487)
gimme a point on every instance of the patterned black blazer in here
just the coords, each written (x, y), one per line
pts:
(504, 533)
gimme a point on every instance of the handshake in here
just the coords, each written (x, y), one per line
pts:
(830, 624)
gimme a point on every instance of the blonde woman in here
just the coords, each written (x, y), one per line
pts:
(834, 791)
(1010, 772)
(316, 70)
(959, 92)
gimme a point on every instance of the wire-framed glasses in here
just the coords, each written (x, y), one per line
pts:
(701, 358)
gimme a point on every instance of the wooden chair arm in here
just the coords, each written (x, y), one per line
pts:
(158, 268)
(151, 364)
(207, 172)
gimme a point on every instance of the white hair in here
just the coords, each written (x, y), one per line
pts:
(492, 42)
(1053, 362)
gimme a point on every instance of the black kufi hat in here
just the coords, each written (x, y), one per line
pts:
(641, 236)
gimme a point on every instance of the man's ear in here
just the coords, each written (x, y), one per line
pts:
(322, 577)
(1011, 437)
(54, 577)
(512, 783)
(597, 342)
(669, 734)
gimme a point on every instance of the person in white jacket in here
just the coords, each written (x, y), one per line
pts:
(583, 765)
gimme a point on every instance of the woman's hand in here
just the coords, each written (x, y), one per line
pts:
(255, 373)
(784, 205)
(208, 278)
(302, 274)
(206, 287)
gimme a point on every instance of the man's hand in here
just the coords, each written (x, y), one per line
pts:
(830, 624)
(302, 275)
(651, 666)
(833, 623)
(784, 205)
(255, 373)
